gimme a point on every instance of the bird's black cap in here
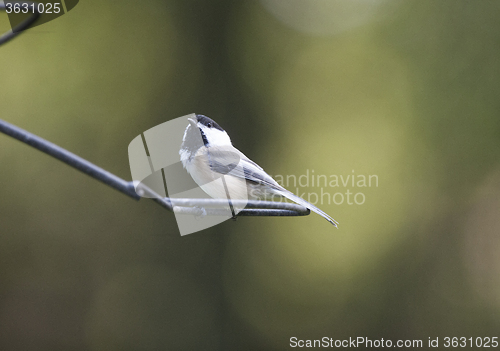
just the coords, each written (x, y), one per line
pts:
(208, 122)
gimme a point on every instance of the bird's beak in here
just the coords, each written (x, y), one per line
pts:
(193, 122)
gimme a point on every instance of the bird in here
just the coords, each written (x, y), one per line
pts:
(208, 154)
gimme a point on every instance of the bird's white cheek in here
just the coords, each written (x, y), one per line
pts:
(216, 137)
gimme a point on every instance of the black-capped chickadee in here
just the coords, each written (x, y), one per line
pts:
(209, 156)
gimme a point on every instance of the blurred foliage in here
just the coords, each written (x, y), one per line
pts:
(405, 90)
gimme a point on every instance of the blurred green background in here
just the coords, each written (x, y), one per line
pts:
(405, 90)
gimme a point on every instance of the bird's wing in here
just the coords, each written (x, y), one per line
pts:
(231, 161)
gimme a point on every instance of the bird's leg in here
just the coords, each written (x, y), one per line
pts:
(201, 212)
(229, 199)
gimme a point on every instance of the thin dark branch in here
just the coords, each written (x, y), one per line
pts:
(69, 158)
(181, 206)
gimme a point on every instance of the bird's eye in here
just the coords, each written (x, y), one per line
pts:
(209, 125)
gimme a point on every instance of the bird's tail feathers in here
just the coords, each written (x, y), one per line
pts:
(310, 206)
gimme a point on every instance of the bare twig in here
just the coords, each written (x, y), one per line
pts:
(181, 206)
(69, 158)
